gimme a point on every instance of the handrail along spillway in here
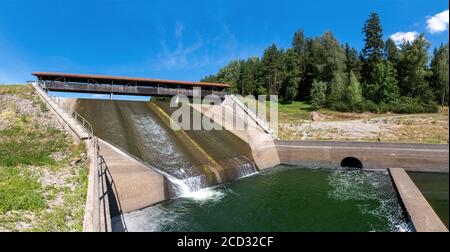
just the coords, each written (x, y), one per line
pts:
(101, 203)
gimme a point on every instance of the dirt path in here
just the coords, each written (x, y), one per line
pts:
(427, 128)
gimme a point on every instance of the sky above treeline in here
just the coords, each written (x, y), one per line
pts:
(186, 40)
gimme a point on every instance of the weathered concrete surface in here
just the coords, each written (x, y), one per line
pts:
(134, 184)
(421, 214)
(327, 154)
(263, 147)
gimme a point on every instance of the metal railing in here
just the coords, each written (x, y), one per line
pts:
(100, 202)
(262, 123)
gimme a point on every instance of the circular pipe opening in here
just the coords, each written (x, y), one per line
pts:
(351, 162)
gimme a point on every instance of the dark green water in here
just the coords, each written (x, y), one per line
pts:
(284, 199)
(434, 187)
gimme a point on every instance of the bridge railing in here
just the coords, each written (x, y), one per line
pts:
(124, 89)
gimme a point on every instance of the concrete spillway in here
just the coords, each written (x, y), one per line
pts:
(191, 160)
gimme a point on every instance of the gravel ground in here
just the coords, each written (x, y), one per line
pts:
(32, 108)
(431, 128)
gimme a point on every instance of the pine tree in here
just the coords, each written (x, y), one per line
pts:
(247, 78)
(440, 78)
(293, 76)
(373, 48)
(272, 67)
(351, 60)
(300, 50)
(391, 51)
(412, 68)
(298, 42)
(372, 52)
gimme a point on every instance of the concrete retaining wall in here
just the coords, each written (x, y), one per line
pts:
(327, 154)
(97, 213)
(262, 144)
(421, 214)
(134, 185)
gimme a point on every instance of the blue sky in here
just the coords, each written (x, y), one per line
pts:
(185, 40)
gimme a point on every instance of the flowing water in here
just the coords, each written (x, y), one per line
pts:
(140, 130)
(284, 199)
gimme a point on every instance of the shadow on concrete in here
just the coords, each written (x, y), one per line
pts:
(115, 208)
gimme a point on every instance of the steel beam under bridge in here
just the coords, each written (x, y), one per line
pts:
(61, 86)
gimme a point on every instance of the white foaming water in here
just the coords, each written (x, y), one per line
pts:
(246, 169)
(186, 186)
(352, 184)
(205, 194)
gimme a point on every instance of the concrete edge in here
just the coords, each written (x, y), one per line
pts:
(91, 222)
(420, 212)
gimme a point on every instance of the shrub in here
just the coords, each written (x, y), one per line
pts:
(369, 105)
(407, 105)
(19, 191)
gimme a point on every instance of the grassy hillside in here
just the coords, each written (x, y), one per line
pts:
(43, 174)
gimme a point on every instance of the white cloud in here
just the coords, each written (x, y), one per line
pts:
(438, 23)
(179, 28)
(400, 37)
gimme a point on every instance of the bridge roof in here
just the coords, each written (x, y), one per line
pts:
(84, 78)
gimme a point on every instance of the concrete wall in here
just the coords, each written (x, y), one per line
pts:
(134, 185)
(262, 144)
(327, 154)
(420, 212)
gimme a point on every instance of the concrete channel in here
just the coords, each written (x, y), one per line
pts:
(132, 185)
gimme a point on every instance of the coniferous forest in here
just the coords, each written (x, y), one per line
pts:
(384, 76)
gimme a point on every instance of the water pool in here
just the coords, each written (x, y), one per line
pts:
(286, 198)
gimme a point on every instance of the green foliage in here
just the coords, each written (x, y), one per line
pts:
(29, 146)
(337, 88)
(391, 51)
(19, 191)
(352, 63)
(318, 94)
(412, 68)
(373, 40)
(440, 77)
(372, 52)
(353, 93)
(248, 76)
(332, 75)
(327, 57)
(293, 76)
(20, 90)
(407, 105)
(383, 87)
(369, 105)
(273, 74)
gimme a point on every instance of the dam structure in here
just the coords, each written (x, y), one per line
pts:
(147, 162)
